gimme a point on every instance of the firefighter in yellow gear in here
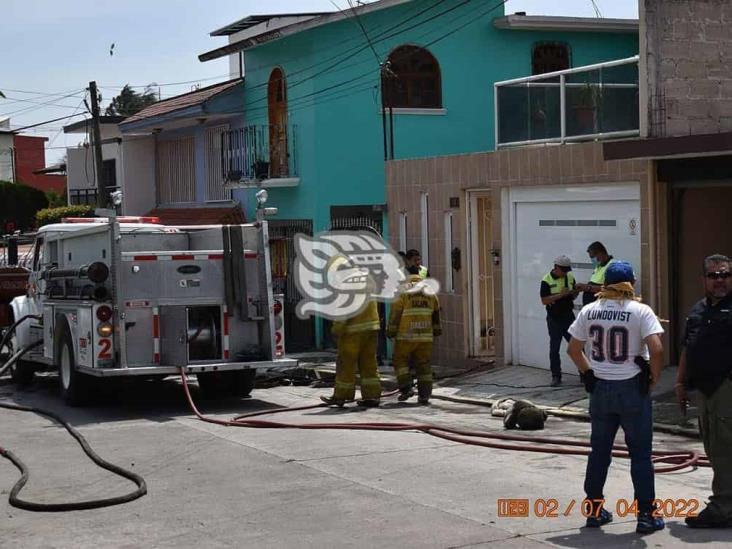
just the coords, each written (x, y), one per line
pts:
(413, 322)
(357, 338)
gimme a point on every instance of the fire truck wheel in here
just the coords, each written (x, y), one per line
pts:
(217, 384)
(245, 382)
(21, 372)
(75, 386)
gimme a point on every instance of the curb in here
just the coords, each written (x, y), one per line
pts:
(576, 414)
(389, 382)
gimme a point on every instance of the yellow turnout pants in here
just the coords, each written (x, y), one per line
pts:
(357, 352)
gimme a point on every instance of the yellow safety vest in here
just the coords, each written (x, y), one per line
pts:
(366, 321)
(414, 317)
(556, 285)
(598, 275)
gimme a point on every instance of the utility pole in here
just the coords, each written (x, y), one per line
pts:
(102, 191)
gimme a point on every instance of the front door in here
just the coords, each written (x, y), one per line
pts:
(277, 108)
(480, 271)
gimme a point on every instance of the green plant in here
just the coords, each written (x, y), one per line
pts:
(18, 205)
(590, 95)
(55, 215)
(55, 200)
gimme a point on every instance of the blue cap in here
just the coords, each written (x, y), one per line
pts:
(619, 271)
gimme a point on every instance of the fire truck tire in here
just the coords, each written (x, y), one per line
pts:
(75, 386)
(245, 382)
(22, 372)
(217, 384)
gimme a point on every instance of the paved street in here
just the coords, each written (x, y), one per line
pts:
(212, 486)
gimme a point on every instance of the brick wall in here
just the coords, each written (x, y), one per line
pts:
(687, 50)
(30, 155)
(444, 177)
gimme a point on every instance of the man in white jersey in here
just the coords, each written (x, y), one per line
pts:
(621, 331)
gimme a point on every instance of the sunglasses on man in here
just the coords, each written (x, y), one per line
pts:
(719, 275)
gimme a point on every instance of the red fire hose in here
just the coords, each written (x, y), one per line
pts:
(676, 459)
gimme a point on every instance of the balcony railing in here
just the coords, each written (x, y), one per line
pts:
(83, 196)
(592, 102)
(260, 155)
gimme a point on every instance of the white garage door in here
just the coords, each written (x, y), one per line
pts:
(544, 229)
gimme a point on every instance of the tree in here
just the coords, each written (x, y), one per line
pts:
(128, 102)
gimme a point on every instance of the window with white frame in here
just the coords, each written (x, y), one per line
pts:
(449, 275)
(402, 231)
(424, 215)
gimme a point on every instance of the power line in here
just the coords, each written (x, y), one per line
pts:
(352, 52)
(48, 121)
(596, 8)
(83, 100)
(155, 85)
(380, 38)
(43, 94)
(473, 18)
(18, 100)
(34, 108)
(363, 29)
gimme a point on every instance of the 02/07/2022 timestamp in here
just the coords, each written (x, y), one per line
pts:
(552, 508)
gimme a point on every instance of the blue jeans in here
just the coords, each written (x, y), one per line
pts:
(557, 331)
(616, 404)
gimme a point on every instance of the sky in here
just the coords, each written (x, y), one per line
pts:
(52, 49)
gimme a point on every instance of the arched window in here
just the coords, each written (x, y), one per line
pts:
(412, 79)
(549, 57)
(277, 113)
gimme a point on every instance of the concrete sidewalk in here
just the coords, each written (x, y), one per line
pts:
(487, 384)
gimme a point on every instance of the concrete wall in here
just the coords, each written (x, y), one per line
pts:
(687, 55)
(339, 133)
(444, 177)
(138, 181)
(30, 155)
(80, 165)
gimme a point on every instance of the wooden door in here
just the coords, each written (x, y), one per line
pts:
(277, 102)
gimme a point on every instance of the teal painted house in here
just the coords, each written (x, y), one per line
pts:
(315, 133)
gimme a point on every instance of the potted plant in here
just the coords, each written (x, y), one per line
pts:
(261, 169)
(588, 103)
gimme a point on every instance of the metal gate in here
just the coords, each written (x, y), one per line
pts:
(299, 334)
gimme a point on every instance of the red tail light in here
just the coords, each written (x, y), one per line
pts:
(104, 313)
(277, 307)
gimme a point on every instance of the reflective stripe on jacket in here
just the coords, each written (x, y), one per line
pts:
(414, 317)
(366, 321)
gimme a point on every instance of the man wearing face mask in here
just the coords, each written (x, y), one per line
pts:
(706, 365)
(600, 261)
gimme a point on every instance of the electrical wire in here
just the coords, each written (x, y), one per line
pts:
(47, 122)
(472, 19)
(46, 104)
(379, 38)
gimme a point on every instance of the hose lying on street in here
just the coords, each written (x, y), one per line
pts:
(6, 337)
(674, 459)
(16, 501)
(14, 498)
